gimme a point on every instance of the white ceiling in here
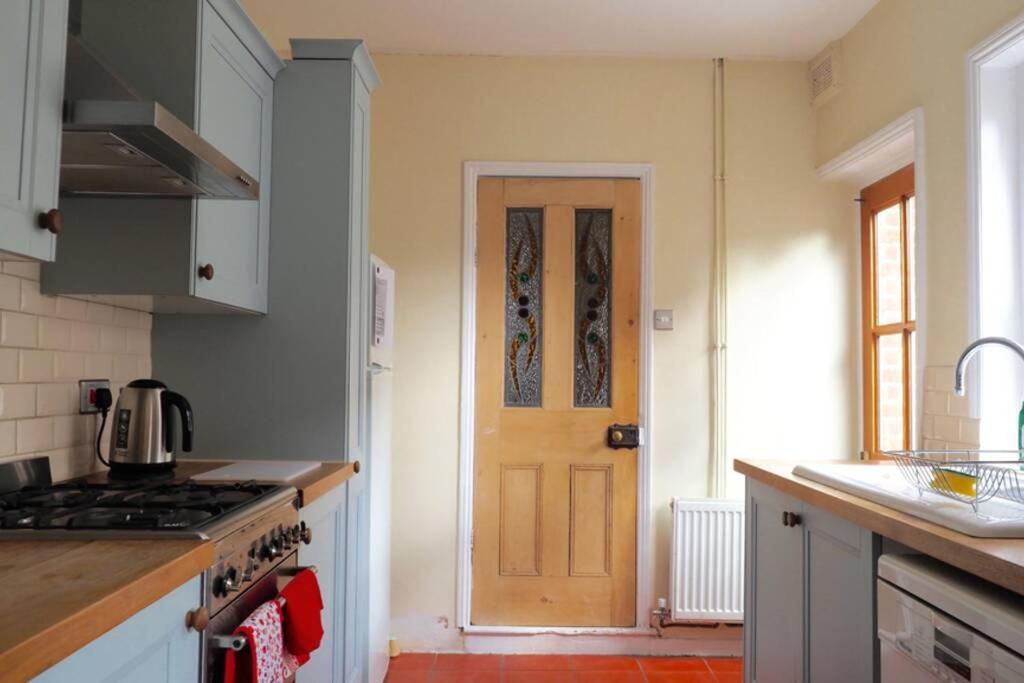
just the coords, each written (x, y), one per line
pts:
(754, 29)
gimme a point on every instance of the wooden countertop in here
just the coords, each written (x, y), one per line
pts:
(61, 595)
(998, 560)
(311, 485)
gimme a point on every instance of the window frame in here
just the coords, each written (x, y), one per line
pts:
(893, 190)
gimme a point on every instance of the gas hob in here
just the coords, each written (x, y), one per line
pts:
(136, 509)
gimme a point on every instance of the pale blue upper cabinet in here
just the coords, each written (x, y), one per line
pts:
(32, 73)
(236, 98)
(154, 646)
(212, 69)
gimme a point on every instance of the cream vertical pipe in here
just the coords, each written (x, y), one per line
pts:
(719, 470)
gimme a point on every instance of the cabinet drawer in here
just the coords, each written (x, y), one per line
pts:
(230, 256)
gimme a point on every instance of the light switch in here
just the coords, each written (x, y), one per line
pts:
(663, 319)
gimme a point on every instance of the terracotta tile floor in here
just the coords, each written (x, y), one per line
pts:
(451, 668)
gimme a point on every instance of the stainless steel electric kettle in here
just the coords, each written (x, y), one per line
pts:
(141, 436)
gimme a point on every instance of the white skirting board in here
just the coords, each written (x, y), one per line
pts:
(706, 581)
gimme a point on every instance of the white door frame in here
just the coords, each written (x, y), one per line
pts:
(472, 172)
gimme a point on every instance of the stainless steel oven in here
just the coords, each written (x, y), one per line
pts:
(252, 565)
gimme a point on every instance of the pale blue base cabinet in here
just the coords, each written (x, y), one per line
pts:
(338, 550)
(153, 646)
(810, 593)
(32, 48)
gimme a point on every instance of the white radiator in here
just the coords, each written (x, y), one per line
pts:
(707, 560)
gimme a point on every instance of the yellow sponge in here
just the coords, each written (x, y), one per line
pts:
(955, 482)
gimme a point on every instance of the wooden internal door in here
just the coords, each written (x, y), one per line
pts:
(557, 382)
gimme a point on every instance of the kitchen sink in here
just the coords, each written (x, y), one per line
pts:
(885, 484)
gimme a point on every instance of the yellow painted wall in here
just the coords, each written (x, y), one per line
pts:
(792, 277)
(905, 54)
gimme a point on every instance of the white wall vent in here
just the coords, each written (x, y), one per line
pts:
(824, 75)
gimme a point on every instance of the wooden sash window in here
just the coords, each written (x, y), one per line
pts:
(889, 311)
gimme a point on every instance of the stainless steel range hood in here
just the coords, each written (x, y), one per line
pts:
(117, 145)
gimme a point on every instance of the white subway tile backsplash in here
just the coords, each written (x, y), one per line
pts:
(125, 317)
(71, 309)
(18, 330)
(85, 337)
(69, 365)
(56, 399)
(54, 333)
(100, 313)
(33, 301)
(113, 339)
(28, 270)
(126, 367)
(70, 430)
(947, 428)
(10, 293)
(959, 405)
(970, 430)
(49, 343)
(947, 421)
(36, 366)
(138, 341)
(17, 400)
(99, 366)
(35, 435)
(8, 439)
(8, 365)
(936, 403)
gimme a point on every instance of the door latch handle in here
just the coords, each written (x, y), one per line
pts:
(623, 436)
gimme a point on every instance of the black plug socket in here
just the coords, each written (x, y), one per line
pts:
(104, 399)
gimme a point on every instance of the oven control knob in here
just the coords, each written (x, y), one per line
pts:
(296, 532)
(226, 583)
(271, 550)
(250, 569)
(285, 540)
(232, 583)
(254, 559)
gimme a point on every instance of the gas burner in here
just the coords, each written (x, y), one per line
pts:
(19, 519)
(60, 496)
(138, 506)
(138, 518)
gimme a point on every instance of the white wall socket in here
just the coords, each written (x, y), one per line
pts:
(87, 394)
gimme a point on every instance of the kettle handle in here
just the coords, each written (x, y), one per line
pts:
(168, 399)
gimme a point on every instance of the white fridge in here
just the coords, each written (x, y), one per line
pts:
(382, 307)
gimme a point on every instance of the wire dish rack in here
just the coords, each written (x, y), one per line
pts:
(971, 477)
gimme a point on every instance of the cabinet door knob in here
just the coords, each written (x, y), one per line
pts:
(791, 519)
(306, 534)
(52, 220)
(206, 272)
(198, 619)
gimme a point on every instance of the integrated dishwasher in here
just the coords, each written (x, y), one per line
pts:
(937, 623)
